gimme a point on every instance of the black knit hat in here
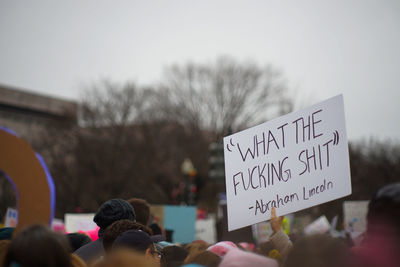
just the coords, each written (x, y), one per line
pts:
(113, 210)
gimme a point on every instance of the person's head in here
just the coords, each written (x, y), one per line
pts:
(126, 258)
(318, 251)
(195, 248)
(111, 211)
(206, 258)
(142, 210)
(384, 212)
(173, 256)
(77, 240)
(156, 229)
(117, 228)
(138, 241)
(37, 245)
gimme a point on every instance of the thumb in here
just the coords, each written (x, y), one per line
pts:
(273, 213)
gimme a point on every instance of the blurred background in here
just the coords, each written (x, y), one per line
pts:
(132, 98)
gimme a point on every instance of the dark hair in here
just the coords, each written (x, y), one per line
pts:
(318, 251)
(118, 227)
(126, 257)
(156, 229)
(206, 258)
(37, 245)
(77, 240)
(142, 210)
(173, 256)
(195, 248)
(136, 240)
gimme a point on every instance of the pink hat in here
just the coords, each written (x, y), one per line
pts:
(239, 258)
(221, 248)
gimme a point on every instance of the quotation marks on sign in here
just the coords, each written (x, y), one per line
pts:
(227, 145)
(335, 137)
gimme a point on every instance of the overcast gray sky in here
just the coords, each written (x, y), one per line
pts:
(324, 48)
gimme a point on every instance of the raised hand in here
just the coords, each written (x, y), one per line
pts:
(276, 222)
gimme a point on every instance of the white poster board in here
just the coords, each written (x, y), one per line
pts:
(319, 226)
(205, 230)
(355, 215)
(293, 162)
(75, 222)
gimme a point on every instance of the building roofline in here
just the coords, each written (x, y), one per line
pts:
(16, 97)
(32, 92)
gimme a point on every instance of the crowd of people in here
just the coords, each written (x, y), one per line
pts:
(126, 238)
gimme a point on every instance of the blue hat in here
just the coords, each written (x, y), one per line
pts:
(135, 239)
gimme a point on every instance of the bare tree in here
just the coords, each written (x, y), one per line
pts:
(120, 150)
(108, 103)
(225, 94)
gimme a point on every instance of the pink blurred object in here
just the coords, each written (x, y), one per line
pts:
(58, 226)
(221, 248)
(201, 214)
(378, 249)
(248, 246)
(237, 258)
(93, 234)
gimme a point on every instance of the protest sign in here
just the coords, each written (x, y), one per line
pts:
(291, 163)
(28, 174)
(205, 230)
(75, 222)
(319, 226)
(11, 219)
(181, 220)
(355, 215)
(58, 225)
